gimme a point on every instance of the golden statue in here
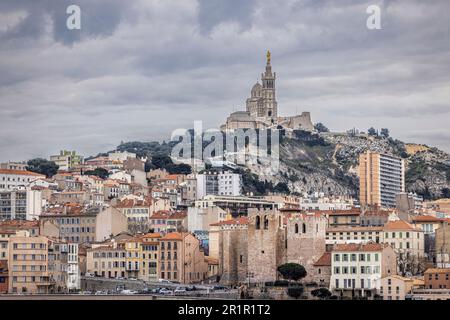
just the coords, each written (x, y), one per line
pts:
(268, 56)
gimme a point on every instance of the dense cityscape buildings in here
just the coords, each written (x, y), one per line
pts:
(120, 222)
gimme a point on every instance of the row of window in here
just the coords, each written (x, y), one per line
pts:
(354, 256)
(351, 284)
(354, 270)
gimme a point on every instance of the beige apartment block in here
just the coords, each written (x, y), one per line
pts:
(395, 287)
(381, 177)
(28, 263)
(107, 260)
(181, 258)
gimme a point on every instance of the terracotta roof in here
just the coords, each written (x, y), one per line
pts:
(150, 235)
(19, 223)
(398, 225)
(426, 219)
(21, 172)
(358, 247)
(324, 260)
(132, 203)
(353, 229)
(438, 270)
(164, 215)
(174, 236)
(238, 221)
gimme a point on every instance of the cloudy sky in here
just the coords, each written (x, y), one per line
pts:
(137, 70)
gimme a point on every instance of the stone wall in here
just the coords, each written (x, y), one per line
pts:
(305, 240)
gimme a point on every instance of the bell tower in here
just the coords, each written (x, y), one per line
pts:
(269, 109)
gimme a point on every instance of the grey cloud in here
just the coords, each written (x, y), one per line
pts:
(139, 69)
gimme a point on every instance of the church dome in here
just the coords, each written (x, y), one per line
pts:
(256, 90)
(256, 87)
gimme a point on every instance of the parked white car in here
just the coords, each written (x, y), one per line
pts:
(180, 290)
(165, 291)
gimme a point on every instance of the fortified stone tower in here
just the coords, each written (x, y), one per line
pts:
(306, 234)
(265, 244)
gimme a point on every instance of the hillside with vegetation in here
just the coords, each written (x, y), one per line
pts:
(323, 161)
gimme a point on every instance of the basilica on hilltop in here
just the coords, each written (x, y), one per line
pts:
(262, 109)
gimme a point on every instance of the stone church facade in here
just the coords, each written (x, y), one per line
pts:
(262, 108)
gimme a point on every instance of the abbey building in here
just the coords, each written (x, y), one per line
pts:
(262, 108)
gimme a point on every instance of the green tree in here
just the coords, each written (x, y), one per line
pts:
(281, 187)
(372, 132)
(42, 166)
(320, 127)
(321, 293)
(99, 172)
(295, 292)
(384, 132)
(292, 271)
(445, 193)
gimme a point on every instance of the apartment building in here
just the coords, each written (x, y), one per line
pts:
(437, 278)
(73, 224)
(28, 264)
(405, 239)
(133, 262)
(395, 287)
(381, 177)
(137, 212)
(181, 258)
(23, 204)
(17, 179)
(67, 160)
(168, 221)
(340, 218)
(107, 260)
(150, 259)
(4, 276)
(218, 183)
(13, 165)
(356, 269)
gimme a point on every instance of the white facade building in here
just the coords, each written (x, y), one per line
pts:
(17, 179)
(73, 270)
(358, 268)
(223, 183)
(23, 204)
(120, 156)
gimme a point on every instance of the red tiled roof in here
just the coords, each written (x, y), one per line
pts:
(358, 247)
(174, 236)
(398, 225)
(353, 229)
(438, 270)
(324, 260)
(20, 172)
(426, 219)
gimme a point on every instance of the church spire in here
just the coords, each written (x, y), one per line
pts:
(268, 57)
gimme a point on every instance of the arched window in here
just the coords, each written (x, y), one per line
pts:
(296, 228)
(258, 222)
(266, 223)
(304, 228)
